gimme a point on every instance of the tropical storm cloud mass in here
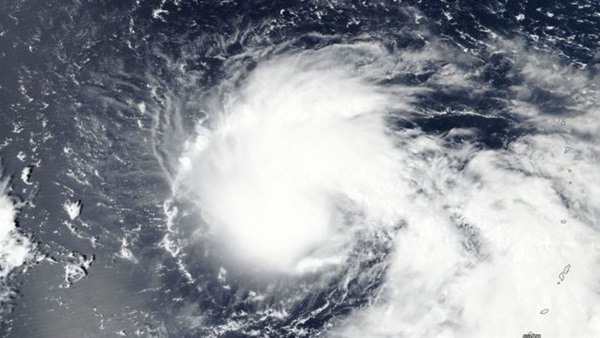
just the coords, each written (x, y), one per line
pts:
(300, 169)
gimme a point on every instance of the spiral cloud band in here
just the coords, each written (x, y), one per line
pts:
(303, 153)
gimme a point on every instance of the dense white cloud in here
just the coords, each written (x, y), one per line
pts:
(15, 248)
(300, 144)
